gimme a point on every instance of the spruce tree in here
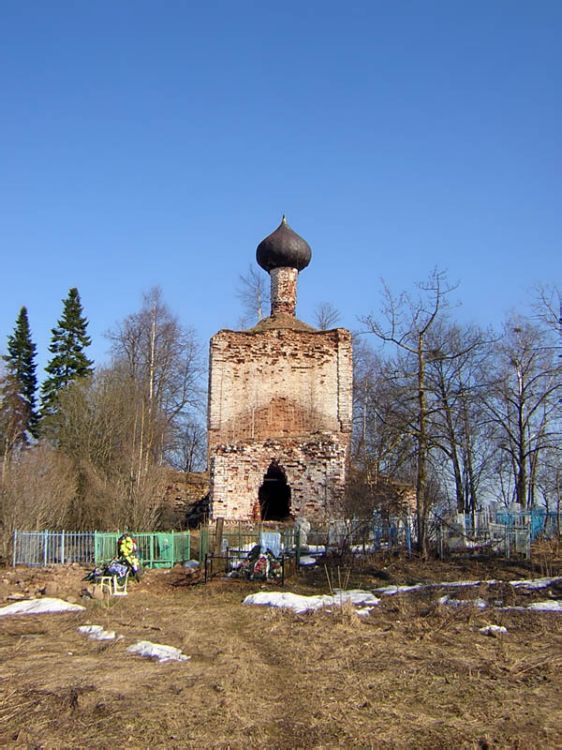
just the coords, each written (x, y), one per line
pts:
(68, 363)
(20, 382)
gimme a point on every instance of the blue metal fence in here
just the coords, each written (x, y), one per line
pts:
(42, 548)
(540, 522)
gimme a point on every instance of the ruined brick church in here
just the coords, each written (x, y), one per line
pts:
(280, 400)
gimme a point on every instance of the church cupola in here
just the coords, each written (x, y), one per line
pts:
(283, 254)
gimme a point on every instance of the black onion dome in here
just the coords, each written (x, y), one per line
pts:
(283, 249)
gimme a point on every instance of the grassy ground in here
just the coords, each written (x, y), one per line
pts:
(413, 674)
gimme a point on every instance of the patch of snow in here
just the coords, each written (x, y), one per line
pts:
(460, 584)
(157, 651)
(44, 606)
(364, 612)
(535, 583)
(548, 606)
(493, 630)
(391, 590)
(307, 560)
(97, 633)
(299, 603)
(355, 596)
(480, 603)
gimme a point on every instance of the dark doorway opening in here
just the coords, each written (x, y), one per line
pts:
(275, 495)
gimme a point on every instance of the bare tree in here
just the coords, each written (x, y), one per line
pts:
(547, 306)
(457, 373)
(37, 487)
(326, 316)
(162, 360)
(523, 402)
(189, 452)
(407, 324)
(99, 431)
(253, 291)
(381, 446)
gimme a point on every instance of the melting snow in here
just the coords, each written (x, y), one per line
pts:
(493, 630)
(307, 560)
(480, 603)
(157, 651)
(46, 605)
(455, 584)
(364, 612)
(536, 583)
(549, 606)
(97, 633)
(391, 590)
(299, 603)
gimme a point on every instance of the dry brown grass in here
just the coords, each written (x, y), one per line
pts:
(414, 674)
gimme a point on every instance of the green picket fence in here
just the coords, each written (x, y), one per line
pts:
(157, 549)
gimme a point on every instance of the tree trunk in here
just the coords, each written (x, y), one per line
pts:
(421, 480)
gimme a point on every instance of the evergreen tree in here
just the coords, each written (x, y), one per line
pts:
(68, 363)
(20, 382)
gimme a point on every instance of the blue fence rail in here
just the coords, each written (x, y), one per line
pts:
(42, 548)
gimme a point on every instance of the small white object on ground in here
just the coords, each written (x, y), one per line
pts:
(44, 606)
(307, 560)
(300, 604)
(97, 633)
(157, 651)
(364, 612)
(549, 606)
(493, 630)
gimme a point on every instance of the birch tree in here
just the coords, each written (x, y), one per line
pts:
(523, 403)
(406, 323)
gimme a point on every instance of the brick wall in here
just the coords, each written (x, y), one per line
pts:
(283, 291)
(285, 396)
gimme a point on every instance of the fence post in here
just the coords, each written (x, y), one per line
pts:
(45, 544)
(15, 541)
(408, 530)
(62, 547)
(219, 530)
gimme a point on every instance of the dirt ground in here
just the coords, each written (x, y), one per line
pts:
(413, 674)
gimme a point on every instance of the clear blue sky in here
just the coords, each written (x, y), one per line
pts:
(149, 143)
